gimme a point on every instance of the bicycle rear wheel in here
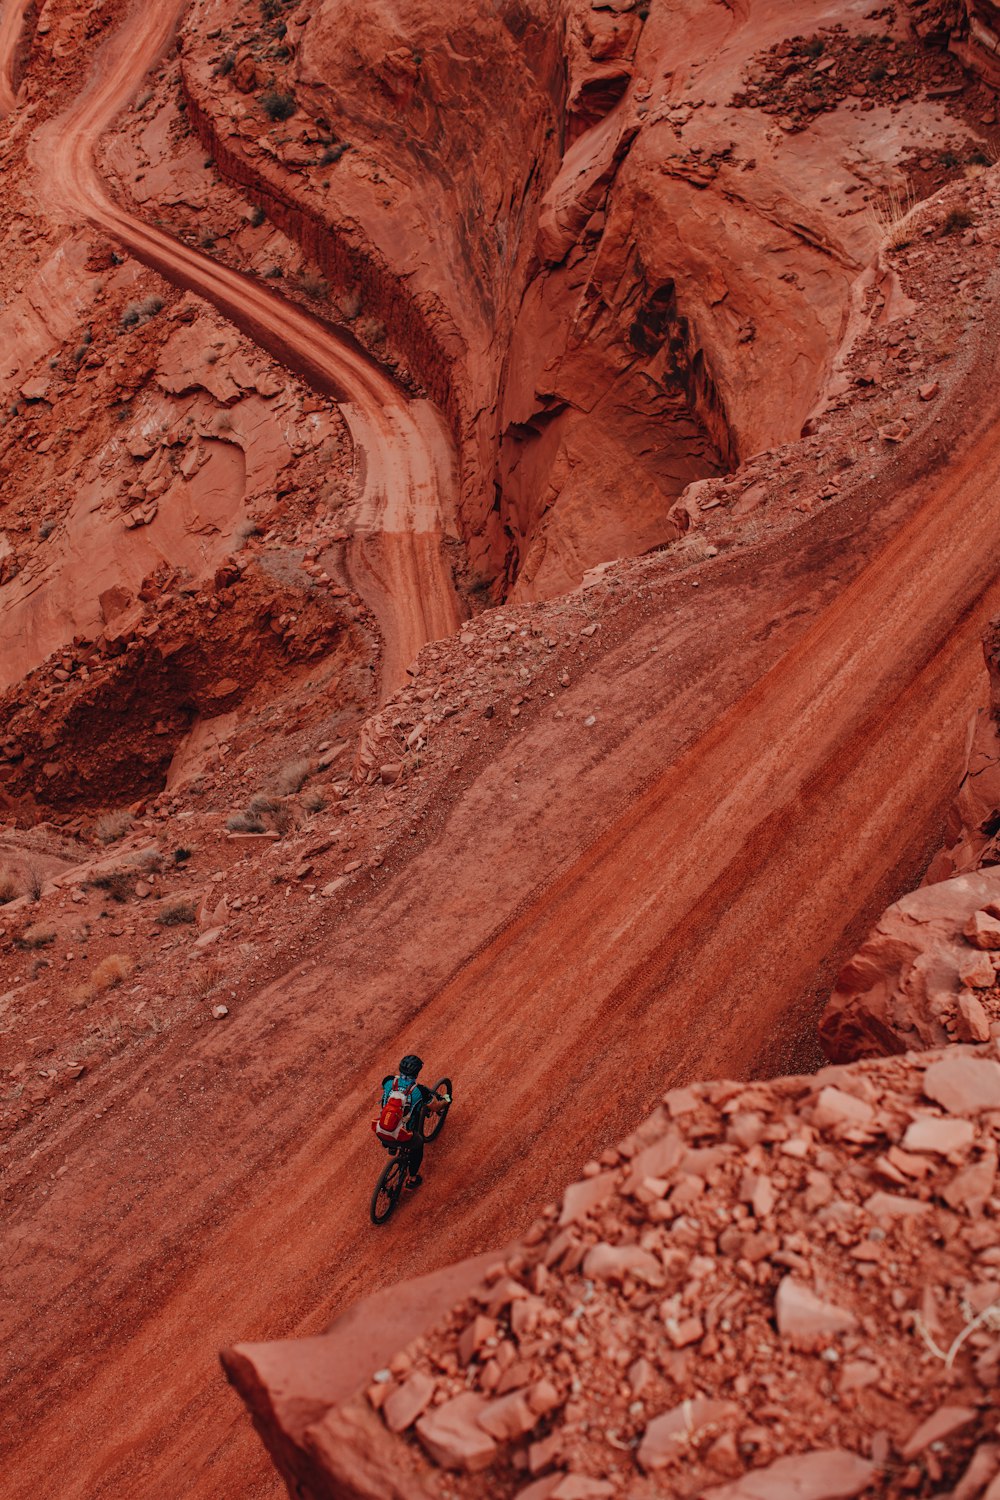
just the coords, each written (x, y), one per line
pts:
(432, 1125)
(388, 1189)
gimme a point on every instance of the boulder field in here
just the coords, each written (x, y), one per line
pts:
(497, 525)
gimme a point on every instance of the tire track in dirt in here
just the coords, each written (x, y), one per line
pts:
(725, 876)
(402, 449)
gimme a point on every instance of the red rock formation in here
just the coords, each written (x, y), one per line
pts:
(925, 976)
(259, 837)
(667, 1331)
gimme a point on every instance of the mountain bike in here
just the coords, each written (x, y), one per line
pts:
(389, 1188)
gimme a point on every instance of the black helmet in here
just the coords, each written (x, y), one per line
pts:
(410, 1065)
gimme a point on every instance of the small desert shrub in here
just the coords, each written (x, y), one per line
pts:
(291, 776)
(181, 855)
(244, 823)
(891, 216)
(314, 287)
(333, 153)
(257, 216)
(111, 972)
(247, 529)
(141, 312)
(372, 330)
(110, 826)
(278, 106)
(175, 913)
(34, 881)
(38, 935)
(119, 884)
(227, 64)
(313, 802)
(281, 818)
(206, 976)
(955, 220)
(263, 802)
(46, 528)
(8, 887)
(151, 862)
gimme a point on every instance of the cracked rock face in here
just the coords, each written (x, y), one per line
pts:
(925, 976)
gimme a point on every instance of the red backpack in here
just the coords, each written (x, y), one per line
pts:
(389, 1126)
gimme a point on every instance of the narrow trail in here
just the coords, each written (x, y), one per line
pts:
(396, 557)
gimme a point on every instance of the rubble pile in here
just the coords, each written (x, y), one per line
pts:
(769, 1289)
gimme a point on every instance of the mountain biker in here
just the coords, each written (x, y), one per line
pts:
(420, 1100)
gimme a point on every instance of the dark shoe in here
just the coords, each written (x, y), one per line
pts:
(414, 1182)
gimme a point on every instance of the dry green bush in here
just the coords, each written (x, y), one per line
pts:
(278, 106)
(956, 220)
(119, 884)
(141, 312)
(291, 776)
(8, 886)
(263, 802)
(38, 935)
(314, 801)
(282, 819)
(245, 822)
(176, 912)
(112, 825)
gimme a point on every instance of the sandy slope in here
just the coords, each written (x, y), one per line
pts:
(403, 453)
(725, 876)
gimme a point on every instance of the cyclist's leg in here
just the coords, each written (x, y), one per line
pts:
(415, 1155)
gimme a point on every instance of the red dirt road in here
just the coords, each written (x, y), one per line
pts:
(402, 450)
(224, 1194)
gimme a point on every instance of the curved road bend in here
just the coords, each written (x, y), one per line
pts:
(407, 507)
(729, 876)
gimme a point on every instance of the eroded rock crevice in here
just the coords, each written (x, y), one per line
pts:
(106, 725)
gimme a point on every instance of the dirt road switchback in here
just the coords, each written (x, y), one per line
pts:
(403, 454)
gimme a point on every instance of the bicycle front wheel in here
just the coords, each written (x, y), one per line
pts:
(387, 1190)
(432, 1125)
